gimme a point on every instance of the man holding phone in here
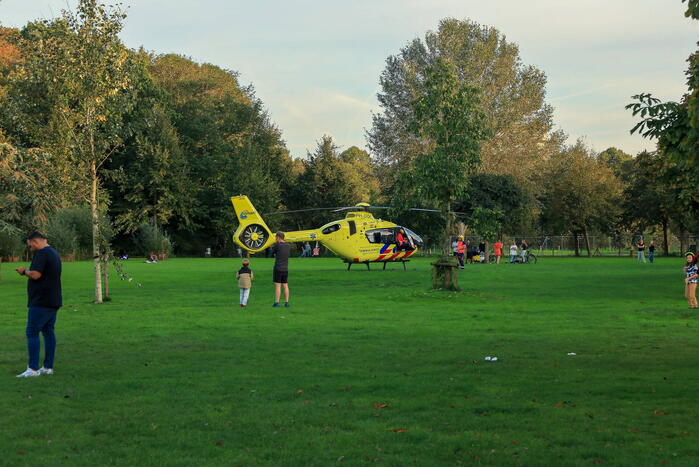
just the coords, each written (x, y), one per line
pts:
(44, 300)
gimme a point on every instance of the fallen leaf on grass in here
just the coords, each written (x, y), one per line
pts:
(660, 412)
(345, 388)
(219, 443)
(20, 452)
(341, 458)
(299, 391)
(381, 406)
(400, 430)
(686, 324)
(599, 460)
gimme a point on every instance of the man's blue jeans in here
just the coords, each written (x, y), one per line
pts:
(40, 319)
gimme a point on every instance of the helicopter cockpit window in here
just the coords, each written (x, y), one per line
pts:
(331, 228)
(414, 238)
(352, 227)
(380, 236)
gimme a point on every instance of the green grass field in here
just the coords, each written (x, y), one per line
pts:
(365, 367)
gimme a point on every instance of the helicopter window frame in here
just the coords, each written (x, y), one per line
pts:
(331, 229)
(385, 235)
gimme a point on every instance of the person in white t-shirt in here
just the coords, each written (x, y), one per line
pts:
(513, 252)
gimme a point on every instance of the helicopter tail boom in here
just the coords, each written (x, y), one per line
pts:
(302, 236)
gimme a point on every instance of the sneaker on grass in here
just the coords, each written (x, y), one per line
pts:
(287, 304)
(28, 373)
(276, 304)
(46, 371)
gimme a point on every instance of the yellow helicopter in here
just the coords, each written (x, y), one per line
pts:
(358, 238)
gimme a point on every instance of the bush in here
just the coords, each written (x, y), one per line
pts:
(153, 239)
(62, 235)
(70, 231)
(11, 244)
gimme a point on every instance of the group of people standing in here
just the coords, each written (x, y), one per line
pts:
(280, 273)
(641, 251)
(464, 249)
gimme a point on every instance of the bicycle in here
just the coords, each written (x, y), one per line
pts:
(531, 258)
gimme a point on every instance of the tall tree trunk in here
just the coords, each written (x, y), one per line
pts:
(105, 276)
(96, 257)
(446, 246)
(445, 271)
(666, 245)
(587, 241)
(577, 243)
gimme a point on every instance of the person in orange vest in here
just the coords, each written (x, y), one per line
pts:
(460, 250)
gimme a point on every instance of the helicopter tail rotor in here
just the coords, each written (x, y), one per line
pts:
(252, 233)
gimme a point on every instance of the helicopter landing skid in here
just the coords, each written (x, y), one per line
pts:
(403, 261)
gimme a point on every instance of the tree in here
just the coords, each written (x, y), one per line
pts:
(331, 178)
(230, 145)
(72, 89)
(615, 159)
(676, 127)
(148, 177)
(447, 115)
(512, 98)
(579, 193)
(496, 194)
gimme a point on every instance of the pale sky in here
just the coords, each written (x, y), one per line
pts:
(316, 63)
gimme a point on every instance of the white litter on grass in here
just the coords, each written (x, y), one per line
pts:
(491, 359)
(572, 353)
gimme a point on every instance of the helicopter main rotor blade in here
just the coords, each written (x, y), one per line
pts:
(299, 210)
(424, 210)
(360, 208)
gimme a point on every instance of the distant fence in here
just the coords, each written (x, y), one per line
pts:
(600, 245)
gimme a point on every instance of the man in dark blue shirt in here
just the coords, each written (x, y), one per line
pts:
(44, 300)
(281, 251)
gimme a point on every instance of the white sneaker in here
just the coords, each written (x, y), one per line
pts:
(28, 373)
(46, 371)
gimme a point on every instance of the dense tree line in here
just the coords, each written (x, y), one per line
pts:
(136, 145)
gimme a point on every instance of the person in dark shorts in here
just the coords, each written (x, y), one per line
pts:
(281, 251)
(44, 300)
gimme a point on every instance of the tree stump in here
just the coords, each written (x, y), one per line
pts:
(445, 275)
